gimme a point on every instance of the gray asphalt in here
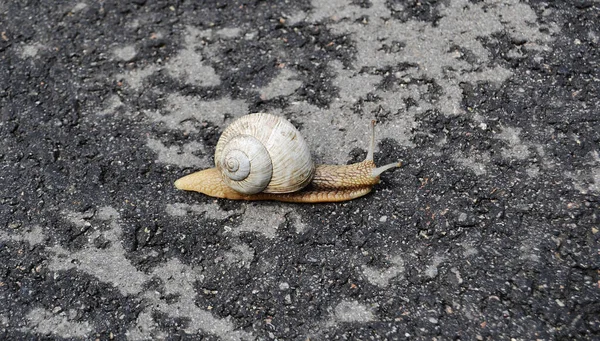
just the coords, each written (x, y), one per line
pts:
(488, 231)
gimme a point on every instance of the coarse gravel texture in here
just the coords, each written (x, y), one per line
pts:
(489, 230)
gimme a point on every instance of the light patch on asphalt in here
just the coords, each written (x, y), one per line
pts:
(334, 132)
(211, 210)
(351, 311)
(185, 112)
(424, 45)
(240, 255)
(191, 67)
(256, 217)
(110, 265)
(283, 84)
(516, 149)
(135, 78)
(180, 156)
(45, 322)
(346, 311)
(584, 181)
(262, 219)
(425, 49)
(30, 50)
(296, 219)
(179, 280)
(229, 32)
(79, 219)
(474, 161)
(382, 277)
(111, 106)
(145, 328)
(352, 85)
(533, 171)
(595, 185)
(296, 17)
(33, 235)
(125, 53)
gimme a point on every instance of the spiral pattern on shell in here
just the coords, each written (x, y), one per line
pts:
(263, 153)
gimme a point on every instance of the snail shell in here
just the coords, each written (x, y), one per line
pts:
(263, 153)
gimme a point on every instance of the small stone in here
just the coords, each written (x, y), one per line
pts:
(15, 225)
(383, 219)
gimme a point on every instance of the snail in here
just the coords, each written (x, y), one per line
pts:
(264, 157)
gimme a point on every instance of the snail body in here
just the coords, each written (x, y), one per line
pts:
(264, 157)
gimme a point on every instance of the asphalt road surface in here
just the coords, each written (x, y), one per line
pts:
(489, 230)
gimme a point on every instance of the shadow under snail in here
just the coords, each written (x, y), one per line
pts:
(264, 157)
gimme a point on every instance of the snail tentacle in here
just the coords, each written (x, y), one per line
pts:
(377, 171)
(371, 149)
